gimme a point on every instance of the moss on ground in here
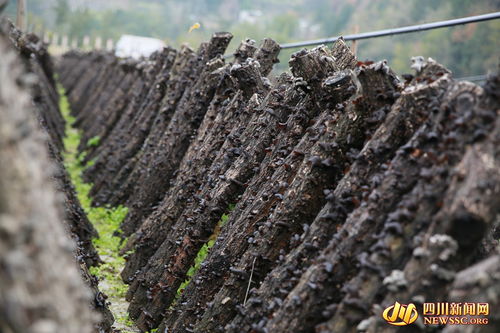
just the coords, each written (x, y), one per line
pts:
(106, 220)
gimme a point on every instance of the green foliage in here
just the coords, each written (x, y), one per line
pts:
(466, 50)
(125, 320)
(10, 11)
(203, 252)
(62, 11)
(106, 220)
(82, 22)
(94, 141)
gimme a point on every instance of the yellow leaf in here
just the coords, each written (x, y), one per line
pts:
(194, 26)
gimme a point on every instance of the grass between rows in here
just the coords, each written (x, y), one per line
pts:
(203, 253)
(106, 220)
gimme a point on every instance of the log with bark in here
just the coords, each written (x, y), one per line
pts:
(235, 117)
(224, 114)
(345, 189)
(41, 289)
(154, 182)
(354, 265)
(39, 82)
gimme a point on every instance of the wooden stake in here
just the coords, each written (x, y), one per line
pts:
(21, 14)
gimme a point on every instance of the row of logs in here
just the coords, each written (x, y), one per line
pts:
(346, 188)
(45, 284)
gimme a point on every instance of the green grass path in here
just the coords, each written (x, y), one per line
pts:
(106, 220)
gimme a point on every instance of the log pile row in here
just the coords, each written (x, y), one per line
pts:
(44, 231)
(346, 188)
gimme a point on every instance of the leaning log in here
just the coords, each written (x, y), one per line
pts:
(37, 293)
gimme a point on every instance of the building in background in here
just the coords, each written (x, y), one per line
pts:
(137, 46)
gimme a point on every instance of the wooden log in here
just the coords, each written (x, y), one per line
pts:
(46, 109)
(381, 215)
(303, 197)
(267, 55)
(349, 191)
(250, 209)
(178, 135)
(453, 238)
(477, 284)
(223, 190)
(222, 198)
(245, 50)
(87, 85)
(45, 99)
(107, 120)
(176, 81)
(107, 150)
(37, 292)
(223, 115)
(136, 128)
(405, 116)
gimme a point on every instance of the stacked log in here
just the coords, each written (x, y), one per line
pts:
(41, 289)
(346, 189)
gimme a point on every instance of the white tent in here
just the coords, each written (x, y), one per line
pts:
(137, 46)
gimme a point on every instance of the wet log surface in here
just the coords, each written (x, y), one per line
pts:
(346, 189)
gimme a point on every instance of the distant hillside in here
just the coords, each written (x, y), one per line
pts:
(467, 50)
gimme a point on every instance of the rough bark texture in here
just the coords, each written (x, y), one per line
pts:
(38, 293)
(192, 107)
(406, 114)
(123, 159)
(478, 283)
(354, 265)
(217, 197)
(343, 185)
(45, 99)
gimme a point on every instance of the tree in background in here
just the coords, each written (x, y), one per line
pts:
(467, 50)
(62, 12)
